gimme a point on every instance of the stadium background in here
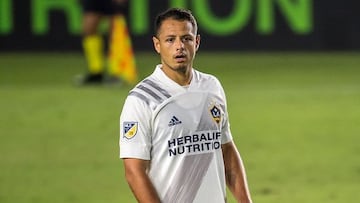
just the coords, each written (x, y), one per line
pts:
(290, 69)
(234, 25)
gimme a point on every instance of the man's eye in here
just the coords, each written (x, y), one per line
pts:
(186, 39)
(169, 40)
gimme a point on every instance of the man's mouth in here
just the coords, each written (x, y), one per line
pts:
(180, 57)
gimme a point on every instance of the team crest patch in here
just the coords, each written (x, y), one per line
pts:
(130, 129)
(215, 113)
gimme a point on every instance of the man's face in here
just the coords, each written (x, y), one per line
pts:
(177, 44)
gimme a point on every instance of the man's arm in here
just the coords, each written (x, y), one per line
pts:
(139, 182)
(235, 173)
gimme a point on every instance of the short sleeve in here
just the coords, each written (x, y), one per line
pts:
(135, 137)
(225, 131)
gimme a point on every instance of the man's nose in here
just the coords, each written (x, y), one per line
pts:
(179, 44)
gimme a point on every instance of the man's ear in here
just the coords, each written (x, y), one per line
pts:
(156, 43)
(197, 41)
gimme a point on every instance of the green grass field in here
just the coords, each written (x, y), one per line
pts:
(295, 118)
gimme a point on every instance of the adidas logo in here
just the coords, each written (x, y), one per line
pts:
(174, 121)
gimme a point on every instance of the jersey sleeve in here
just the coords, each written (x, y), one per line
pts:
(135, 137)
(225, 132)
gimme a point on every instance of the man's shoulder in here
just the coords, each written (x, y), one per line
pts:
(151, 91)
(206, 77)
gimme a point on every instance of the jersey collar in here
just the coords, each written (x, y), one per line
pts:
(169, 82)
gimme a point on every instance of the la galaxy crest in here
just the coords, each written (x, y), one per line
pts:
(130, 129)
(215, 113)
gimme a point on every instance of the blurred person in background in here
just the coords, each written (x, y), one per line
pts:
(175, 139)
(117, 63)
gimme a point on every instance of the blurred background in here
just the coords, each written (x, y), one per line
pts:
(290, 69)
(321, 25)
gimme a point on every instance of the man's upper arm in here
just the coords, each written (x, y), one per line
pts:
(131, 164)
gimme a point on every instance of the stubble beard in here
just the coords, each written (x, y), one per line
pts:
(181, 69)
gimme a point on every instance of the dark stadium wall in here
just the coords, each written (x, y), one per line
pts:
(55, 25)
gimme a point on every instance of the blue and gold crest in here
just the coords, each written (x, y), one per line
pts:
(215, 113)
(130, 129)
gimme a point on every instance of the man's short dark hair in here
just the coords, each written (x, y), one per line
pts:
(176, 14)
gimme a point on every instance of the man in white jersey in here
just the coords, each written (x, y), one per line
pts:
(175, 139)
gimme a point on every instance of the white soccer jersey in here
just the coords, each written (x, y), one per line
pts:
(181, 131)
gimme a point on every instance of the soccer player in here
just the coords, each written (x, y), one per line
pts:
(94, 11)
(175, 138)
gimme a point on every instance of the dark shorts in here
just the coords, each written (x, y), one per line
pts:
(105, 7)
